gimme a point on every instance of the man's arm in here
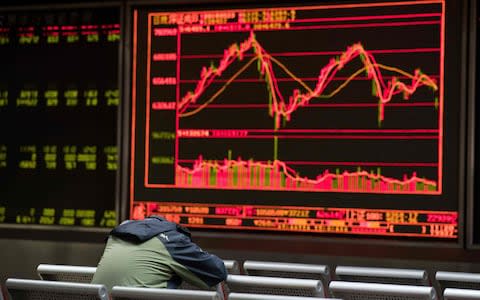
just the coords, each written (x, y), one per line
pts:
(194, 265)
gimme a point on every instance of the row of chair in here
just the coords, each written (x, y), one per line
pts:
(26, 289)
(363, 274)
(309, 280)
(303, 271)
(293, 270)
(277, 269)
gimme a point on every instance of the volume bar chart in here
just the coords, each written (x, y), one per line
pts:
(277, 175)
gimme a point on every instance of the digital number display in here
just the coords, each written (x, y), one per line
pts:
(59, 99)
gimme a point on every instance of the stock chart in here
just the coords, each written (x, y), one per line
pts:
(327, 118)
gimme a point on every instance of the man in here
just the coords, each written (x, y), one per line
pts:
(156, 253)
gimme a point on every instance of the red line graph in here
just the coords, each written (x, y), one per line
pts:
(280, 107)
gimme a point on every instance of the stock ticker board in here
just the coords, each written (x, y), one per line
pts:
(323, 119)
(59, 98)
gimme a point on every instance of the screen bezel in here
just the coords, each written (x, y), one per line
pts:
(272, 241)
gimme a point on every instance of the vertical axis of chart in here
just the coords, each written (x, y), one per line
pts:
(163, 75)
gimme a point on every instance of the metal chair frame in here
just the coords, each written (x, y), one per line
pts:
(26, 289)
(378, 291)
(382, 275)
(134, 293)
(275, 285)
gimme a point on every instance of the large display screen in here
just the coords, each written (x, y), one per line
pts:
(59, 99)
(333, 118)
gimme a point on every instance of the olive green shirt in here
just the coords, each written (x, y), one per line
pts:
(148, 264)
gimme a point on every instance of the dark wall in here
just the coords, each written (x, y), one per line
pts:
(19, 258)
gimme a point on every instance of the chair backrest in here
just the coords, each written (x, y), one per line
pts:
(80, 274)
(379, 291)
(461, 294)
(26, 289)
(246, 296)
(458, 280)
(134, 293)
(290, 270)
(275, 286)
(382, 275)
